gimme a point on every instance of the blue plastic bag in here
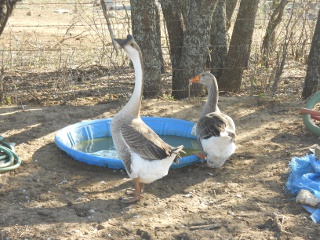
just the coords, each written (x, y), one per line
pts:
(305, 174)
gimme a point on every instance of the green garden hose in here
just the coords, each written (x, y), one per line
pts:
(9, 160)
(307, 118)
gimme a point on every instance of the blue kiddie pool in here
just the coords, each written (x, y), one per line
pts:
(88, 141)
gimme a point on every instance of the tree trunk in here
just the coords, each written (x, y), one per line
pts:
(218, 39)
(269, 37)
(197, 19)
(158, 37)
(144, 28)
(174, 23)
(6, 8)
(311, 82)
(240, 46)
(230, 6)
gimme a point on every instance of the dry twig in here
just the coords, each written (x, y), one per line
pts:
(104, 9)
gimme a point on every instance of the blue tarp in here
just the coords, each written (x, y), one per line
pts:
(305, 174)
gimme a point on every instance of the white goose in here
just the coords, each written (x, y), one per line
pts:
(145, 155)
(215, 130)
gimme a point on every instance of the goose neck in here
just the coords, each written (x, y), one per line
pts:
(212, 100)
(134, 103)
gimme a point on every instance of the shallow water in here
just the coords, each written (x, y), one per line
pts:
(104, 147)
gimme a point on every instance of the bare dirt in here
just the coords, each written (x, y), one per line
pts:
(52, 196)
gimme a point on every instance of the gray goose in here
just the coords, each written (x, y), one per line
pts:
(144, 154)
(215, 130)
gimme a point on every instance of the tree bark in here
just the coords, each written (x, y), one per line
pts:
(158, 37)
(144, 28)
(218, 39)
(197, 17)
(230, 6)
(6, 8)
(311, 83)
(174, 23)
(240, 46)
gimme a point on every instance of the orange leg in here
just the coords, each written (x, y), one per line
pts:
(132, 191)
(201, 155)
(137, 193)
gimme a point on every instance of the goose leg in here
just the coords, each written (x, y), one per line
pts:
(132, 191)
(141, 187)
(137, 193)
(201, 155)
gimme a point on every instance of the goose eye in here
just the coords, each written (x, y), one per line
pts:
(131, 44)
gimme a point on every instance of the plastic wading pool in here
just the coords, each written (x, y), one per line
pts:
(69, 136)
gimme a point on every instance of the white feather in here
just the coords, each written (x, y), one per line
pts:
(218, 150)
(149, 170)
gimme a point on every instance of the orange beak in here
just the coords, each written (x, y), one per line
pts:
(195, 79)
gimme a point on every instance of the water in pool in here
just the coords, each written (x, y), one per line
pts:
(104, 147)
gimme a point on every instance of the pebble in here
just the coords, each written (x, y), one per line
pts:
(188, 195)
(44, 213)
(100, 227)
(80, 199)
(231, 213)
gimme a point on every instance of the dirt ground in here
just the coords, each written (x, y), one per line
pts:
(52, 196)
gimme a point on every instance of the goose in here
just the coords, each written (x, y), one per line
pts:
(215, 130)
(145, 155)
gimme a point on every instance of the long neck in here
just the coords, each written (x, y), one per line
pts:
(133, 105)
(212, 101)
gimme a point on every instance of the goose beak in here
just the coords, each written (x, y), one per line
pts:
(195, 79)
(233, 137)
(120, 41)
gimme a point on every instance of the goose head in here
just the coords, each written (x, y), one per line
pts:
(205, 78)
(209, 80)
(129, 45)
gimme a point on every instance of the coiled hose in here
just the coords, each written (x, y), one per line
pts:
(9, 160)
(308, 114)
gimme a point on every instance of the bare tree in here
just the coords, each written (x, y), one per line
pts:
(240, 46)
(283, 56)
(194, 19)
(6, 8)
(218, 39)
(311, 82)
(269, 37)
(230, 6)
(144, 26)
(158, 37)
(174, 23)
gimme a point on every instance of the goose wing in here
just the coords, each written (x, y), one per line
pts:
(210, 125)
(143, 141)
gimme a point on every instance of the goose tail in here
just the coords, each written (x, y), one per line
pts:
(177, 151)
